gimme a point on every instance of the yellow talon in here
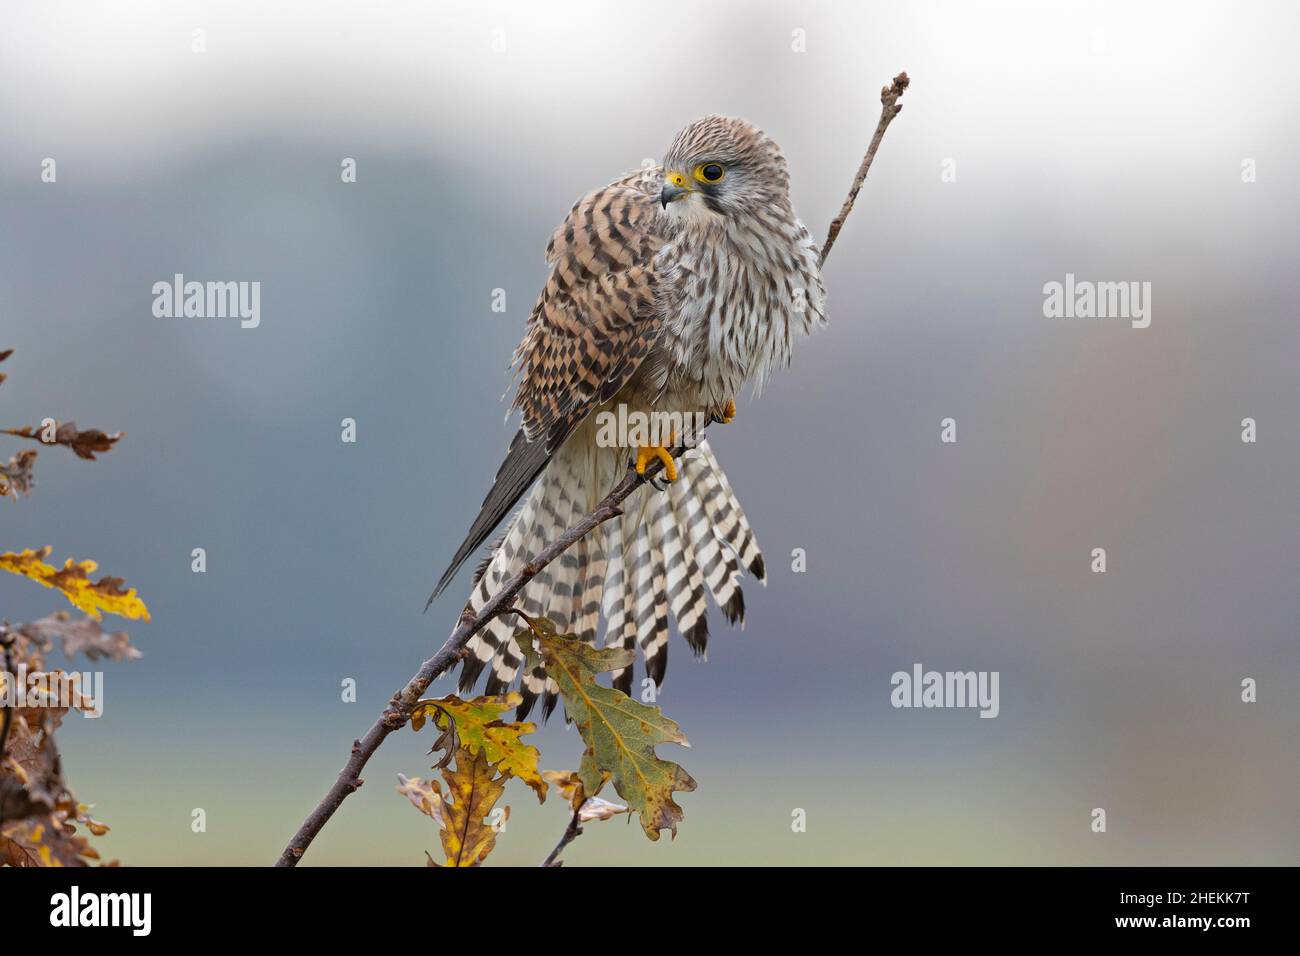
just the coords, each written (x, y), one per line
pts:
(729, 413)
(647, 453)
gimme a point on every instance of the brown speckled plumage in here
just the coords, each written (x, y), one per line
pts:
(597, 317)
(665, 300)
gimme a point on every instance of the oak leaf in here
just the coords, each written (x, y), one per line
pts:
(424, 795)
(81, 636)
(13, 853)
(16, 477)
(106, 594)
(83, 443)
(45, 841)
(30, 781)
(598, 808)
(473, 789)
(476, 725)
(569, 785)
(620, 732)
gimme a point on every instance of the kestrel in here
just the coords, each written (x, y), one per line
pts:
(669, 289)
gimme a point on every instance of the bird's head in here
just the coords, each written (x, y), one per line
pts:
(719, 166)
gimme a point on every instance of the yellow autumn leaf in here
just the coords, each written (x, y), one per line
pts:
(477, 726)
(106, 594)
(473, 789)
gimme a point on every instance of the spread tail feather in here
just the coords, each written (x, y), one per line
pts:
(665, 553)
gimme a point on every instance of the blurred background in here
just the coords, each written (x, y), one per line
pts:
(1101, 139)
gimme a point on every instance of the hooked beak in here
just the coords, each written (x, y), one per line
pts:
(676, 186)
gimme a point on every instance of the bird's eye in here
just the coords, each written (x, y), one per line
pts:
(709, 173)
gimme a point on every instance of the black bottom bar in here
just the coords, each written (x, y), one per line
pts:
(311, 903)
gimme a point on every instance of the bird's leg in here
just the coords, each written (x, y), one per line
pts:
(647, 453)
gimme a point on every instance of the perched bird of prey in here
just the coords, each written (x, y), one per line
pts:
(669, 289)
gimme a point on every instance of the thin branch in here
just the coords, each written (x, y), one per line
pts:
(571, 833)
(8, 642)
(889, 108)
(403, 702)
(6, 714)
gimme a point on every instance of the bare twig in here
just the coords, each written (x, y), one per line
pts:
(7, 640)
(571, 833)
(403, 702)
(6, 716)
(889, 108)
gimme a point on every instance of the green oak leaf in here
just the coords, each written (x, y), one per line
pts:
(620, 733)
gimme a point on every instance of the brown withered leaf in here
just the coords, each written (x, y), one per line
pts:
(473, 789)
(81, 636)
(30, 781)
(40, 816)
(26, 651)
(45, 841)
(424, 796)
(83, 443)
(13, 853)
(71, 812)
(43, 694)
(16, 478)
(598, 808)
(569, 785)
